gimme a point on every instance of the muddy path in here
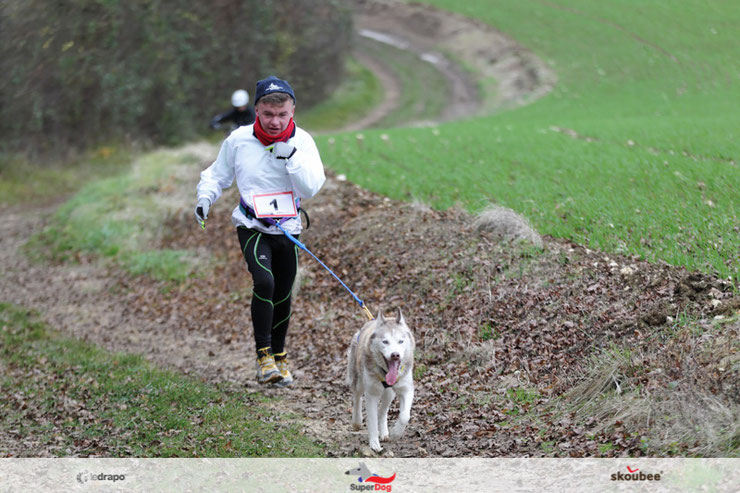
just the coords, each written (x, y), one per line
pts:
(448, 41)
(488, 316)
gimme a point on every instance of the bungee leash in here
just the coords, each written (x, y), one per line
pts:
(304, 248)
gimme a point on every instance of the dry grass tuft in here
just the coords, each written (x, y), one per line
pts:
(627, 388)
(507, 224)
(481, 355)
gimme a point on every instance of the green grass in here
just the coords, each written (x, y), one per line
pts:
(606, 447)
(23, 181)
(358, 94)
(120, 217)
(86, 401)
(487, 332)
(520, 400)
(635, 151)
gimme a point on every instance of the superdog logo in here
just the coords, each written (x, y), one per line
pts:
(370, 481)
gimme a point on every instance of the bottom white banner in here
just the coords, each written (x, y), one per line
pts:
(366, 475)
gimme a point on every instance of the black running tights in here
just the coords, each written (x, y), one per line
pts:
(273, 262)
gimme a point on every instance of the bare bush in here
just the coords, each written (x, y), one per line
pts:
(80, 74)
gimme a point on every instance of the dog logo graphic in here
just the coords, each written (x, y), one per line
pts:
(365, 476)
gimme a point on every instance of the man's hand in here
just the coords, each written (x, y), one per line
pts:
(201, 211)
(281, 150)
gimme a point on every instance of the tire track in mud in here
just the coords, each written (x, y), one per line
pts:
(391, 92)
(446, 41)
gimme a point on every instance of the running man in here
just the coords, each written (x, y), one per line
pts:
(275, 164)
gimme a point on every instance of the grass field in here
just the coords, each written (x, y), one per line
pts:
(635, 151)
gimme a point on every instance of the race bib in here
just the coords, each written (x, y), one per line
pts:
(278, 204)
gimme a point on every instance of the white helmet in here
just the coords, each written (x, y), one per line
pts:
(239, 98)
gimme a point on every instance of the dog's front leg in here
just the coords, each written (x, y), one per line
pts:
(371, 407)
(385, 404)
(405, 397)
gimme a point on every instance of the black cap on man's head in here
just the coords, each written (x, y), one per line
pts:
(270, 85)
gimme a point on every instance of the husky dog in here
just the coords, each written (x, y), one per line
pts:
(380, 363)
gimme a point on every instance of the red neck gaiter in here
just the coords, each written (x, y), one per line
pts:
(268, 139)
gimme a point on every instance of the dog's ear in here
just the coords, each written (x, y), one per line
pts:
(380, 317)
(399, 318)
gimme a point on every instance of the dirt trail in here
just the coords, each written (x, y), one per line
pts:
(446, 40)
(544, 311)
(391, 93)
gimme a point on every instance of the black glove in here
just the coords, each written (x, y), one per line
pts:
(201, 211)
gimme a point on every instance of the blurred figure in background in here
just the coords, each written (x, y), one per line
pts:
(240, 114)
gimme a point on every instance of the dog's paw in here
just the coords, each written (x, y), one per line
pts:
(384, 436)
(375, 445)
(397, 432)
(356, 426)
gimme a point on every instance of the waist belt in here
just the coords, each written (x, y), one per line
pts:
(269, 221)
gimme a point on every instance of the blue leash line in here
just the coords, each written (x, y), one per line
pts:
(304, 248)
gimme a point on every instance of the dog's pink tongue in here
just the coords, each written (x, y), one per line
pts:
(392, 375)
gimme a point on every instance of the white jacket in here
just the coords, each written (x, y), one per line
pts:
(257, 171)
